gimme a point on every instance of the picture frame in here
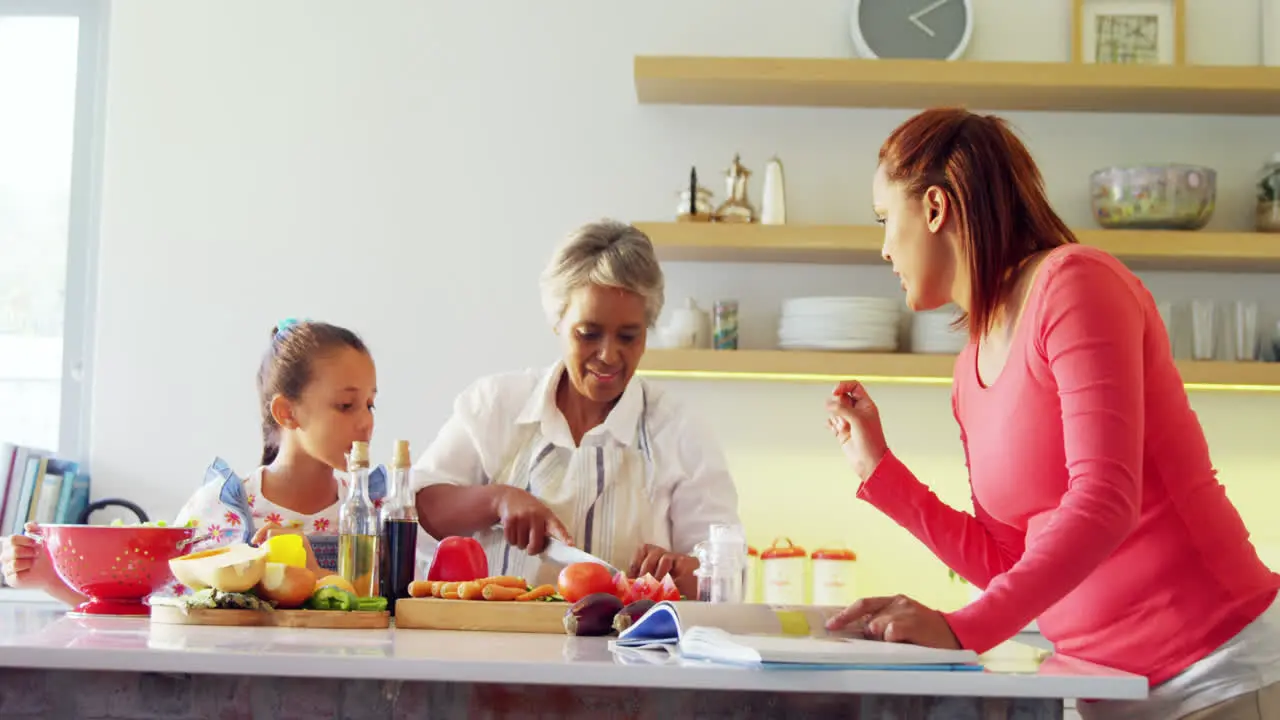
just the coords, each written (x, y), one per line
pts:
(1129, 32)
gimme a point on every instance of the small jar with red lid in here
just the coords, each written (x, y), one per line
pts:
(834, 576)
(783, 568)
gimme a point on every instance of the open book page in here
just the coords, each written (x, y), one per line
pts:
(754, 634)
(703, 643)
(664, 621)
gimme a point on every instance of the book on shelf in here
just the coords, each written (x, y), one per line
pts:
(37, 485)
(775, 637)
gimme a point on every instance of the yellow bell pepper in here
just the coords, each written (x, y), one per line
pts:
(286, 549)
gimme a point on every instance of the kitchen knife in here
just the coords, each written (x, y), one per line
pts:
(559, 552)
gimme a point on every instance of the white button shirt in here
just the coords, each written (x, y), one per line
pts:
(692, 485)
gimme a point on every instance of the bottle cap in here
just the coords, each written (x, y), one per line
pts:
(400, 456)
(359, 454)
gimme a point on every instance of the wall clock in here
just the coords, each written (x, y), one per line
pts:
(915, 29)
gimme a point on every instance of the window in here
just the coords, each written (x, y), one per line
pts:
(50, 60)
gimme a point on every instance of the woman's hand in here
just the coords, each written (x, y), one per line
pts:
(25, 562)
(270, 530)
(660, 562)
(855, 421)
(896, 619)
(527, 522)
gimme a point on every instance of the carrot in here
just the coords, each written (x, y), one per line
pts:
(437, 588)
(499, 592)
(419, 589)
(449, 590)
(470, 591)
(510, 581)
(538, 593)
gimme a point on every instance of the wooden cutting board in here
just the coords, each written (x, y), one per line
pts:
(481, 615)
(332, 619)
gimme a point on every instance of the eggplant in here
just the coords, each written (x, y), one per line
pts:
(631, 613)
(592, 615)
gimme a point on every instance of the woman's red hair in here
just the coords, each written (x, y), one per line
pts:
(995, 190)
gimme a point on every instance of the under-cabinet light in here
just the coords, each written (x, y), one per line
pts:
(891, 379)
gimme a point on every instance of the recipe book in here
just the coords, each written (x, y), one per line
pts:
(777, 637)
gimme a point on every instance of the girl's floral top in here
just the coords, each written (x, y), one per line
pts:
(227, 509)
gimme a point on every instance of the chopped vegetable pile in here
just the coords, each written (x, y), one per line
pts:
(151, 523)
(213, 599)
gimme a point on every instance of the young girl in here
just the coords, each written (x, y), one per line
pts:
(317, 385)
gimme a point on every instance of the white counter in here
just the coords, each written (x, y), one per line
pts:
(37, 635)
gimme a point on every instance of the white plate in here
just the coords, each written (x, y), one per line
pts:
(846, 345)
(838, 304)
(826, 328)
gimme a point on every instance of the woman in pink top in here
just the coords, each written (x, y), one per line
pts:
(1095, 507)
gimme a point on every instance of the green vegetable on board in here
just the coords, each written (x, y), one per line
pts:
(332, 597)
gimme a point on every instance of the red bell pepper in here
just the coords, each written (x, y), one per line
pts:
(458, 559)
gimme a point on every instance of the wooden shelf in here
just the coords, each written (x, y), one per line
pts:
(1071, 87)
(902, 368)
(859, 244)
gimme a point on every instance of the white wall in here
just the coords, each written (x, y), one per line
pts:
(404, 167)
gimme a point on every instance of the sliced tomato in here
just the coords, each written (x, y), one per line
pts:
(645, 588)
(621, 586)
(669, 589)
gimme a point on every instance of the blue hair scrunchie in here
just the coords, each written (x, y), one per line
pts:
(283, 326)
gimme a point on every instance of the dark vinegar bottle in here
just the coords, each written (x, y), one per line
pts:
(399, 522)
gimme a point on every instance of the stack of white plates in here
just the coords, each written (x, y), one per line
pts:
(867, 324)
(931, 333)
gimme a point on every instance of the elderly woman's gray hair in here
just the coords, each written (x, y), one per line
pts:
(608, 253)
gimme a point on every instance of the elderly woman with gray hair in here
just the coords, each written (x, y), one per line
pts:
(580, 451)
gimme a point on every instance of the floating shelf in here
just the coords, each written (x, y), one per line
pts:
(902, 368)
(858, 244)
(1069, 87)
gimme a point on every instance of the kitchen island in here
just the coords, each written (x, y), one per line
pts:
(59, 666)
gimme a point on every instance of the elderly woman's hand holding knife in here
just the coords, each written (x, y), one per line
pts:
(855, 421)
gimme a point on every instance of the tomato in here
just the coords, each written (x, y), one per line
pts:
(669, 589)
(621, 586)
(645, 588)
(582, 579)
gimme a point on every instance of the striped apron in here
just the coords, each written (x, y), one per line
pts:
(600, 490)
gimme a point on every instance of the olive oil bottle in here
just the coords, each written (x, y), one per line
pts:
(358, 527)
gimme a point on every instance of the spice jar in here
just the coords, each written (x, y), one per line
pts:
(833, 576)
(725, 325)
(783, 567)
(1268, 213)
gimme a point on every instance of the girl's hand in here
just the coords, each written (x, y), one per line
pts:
(25, 562)
(896, 619)
(270, 530)
(855, 421)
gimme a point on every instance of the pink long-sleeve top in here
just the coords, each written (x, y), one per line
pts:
(1095, 506)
